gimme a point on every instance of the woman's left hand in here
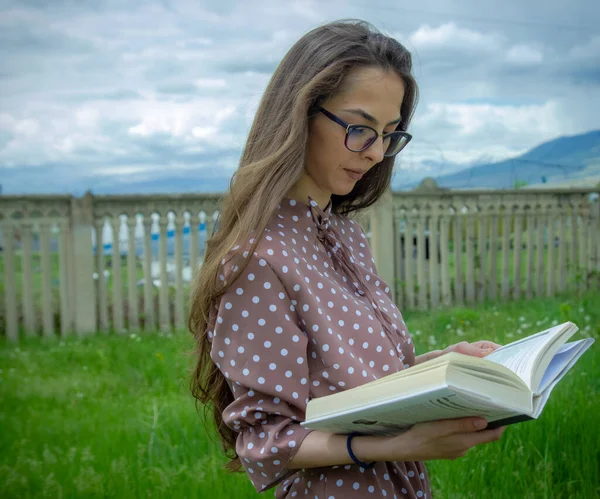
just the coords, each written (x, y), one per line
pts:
(476, 348)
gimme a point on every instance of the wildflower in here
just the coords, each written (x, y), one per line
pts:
(432, 340)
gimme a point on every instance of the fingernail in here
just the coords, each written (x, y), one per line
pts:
(480, 424)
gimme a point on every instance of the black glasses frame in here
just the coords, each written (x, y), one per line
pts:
(349, 127)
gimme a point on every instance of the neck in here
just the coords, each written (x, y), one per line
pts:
(306, 187)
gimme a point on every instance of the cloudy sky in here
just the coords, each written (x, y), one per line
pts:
(107, 94)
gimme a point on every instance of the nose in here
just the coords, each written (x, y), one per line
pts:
(375, 151)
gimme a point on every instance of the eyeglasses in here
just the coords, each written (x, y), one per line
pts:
(360, 137)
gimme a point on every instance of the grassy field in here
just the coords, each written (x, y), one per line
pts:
(110, 416)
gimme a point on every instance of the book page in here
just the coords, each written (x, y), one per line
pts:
(458, 392)
(521, 355)
(560, 364)
(392, 418)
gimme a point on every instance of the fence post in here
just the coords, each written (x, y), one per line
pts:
(84, 311)
(382, 238)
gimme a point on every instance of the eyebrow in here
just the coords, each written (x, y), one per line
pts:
(372, 119)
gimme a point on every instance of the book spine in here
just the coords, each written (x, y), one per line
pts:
(508, 421)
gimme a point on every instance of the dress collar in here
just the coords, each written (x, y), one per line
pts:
(308, 209)
(308, 216)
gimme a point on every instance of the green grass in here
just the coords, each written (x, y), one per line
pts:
(110, 416)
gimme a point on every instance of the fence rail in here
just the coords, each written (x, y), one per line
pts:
(435, 247)
(471, 246)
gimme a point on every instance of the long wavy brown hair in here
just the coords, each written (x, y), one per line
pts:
(272, 162)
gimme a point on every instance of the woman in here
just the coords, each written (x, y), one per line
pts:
(300, 311)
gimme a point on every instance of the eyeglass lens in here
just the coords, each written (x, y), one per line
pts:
(359, 138)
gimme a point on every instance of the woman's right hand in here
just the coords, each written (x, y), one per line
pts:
(444, 439)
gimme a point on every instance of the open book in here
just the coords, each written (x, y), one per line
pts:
(510, 385)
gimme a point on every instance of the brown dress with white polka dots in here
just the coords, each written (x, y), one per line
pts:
(308, 317)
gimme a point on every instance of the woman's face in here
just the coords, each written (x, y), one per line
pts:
(377, 93)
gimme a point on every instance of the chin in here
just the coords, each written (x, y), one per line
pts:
(343, 190)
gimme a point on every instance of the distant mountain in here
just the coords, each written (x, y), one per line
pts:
(33, 180)
(192, 183)
(565, 160)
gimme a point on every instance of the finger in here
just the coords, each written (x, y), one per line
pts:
(487, 436)
(486, 344)
(470, 349)
(448, 427)
(462, 442)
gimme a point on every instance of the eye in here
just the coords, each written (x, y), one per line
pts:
(358, 131)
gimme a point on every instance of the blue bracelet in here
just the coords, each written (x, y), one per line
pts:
(354, 458)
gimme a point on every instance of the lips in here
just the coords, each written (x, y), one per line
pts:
(354, 174)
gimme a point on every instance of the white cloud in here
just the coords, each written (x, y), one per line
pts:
(473, 119)
(123, 170)
(469, 132)
(449, 36)
(131, 88)
(24, 127)
(181, 119)
(524, 54)
(205, 132)
(87, 117)
(211, 83)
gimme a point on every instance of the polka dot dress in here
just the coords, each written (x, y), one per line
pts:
(308, 317)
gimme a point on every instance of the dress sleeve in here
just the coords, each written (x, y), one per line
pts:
(260, 349)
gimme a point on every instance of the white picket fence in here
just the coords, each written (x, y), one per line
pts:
(435, 247)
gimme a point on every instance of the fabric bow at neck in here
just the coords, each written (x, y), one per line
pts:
(344, 262)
